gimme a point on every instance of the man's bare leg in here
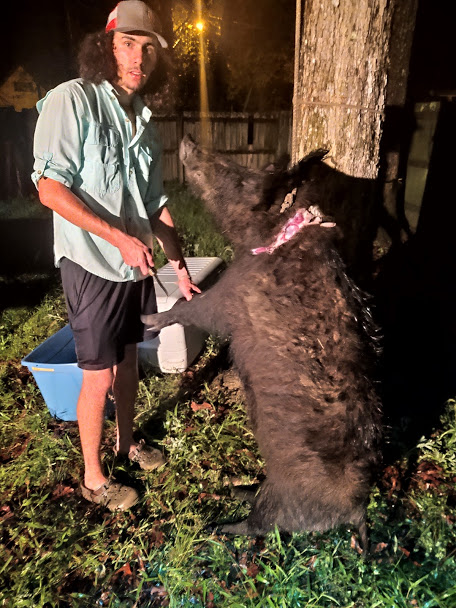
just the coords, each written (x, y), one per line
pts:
(125, 389)
(90, 412)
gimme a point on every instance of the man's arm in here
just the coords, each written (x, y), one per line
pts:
(63, 201)
(165, 232)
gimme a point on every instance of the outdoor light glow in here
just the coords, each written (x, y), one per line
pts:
(204, 100)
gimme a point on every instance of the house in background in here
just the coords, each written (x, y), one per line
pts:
(20, 90)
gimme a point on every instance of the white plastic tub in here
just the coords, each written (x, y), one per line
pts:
(177, 347)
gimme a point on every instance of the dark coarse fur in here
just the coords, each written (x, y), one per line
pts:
(297, 338)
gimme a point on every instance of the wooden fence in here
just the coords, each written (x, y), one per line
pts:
(253, 140)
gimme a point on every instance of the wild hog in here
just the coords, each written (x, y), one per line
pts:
(297, 327)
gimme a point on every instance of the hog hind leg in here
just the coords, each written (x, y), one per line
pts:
(265, 514)
(279, 507)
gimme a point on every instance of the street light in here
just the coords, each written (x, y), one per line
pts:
(199, 26)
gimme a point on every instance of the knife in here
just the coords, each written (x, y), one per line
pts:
(153, 273)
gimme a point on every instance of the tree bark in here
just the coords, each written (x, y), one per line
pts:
(352, 60)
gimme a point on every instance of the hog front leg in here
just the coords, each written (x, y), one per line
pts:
(202, 311)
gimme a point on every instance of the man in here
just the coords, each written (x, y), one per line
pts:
(98, 167)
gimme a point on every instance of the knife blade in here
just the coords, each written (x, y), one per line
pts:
(153, 273)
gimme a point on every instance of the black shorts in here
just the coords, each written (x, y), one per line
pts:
(105, 315)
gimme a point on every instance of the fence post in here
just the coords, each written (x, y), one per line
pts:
(180, 135)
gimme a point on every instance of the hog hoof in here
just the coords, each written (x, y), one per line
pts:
(218, 529)
(155, 322)
(240, 528)
(244, 494)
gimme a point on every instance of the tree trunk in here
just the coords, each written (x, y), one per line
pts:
(342, 87)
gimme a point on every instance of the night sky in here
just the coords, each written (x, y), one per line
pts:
(43, 37)
(45, 34)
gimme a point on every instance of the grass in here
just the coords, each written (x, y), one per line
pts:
(57, 550)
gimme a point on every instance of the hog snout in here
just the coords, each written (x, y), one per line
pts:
(186, 148)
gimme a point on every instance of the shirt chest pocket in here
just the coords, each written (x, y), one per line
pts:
(102, 173)
(148, 158)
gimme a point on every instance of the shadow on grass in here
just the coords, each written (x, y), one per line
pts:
(190, 386)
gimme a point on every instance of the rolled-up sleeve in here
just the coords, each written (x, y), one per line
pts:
(154, 204)
(58, 139)
(155, 197)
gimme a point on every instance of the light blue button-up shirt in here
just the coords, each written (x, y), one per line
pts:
(83, 139)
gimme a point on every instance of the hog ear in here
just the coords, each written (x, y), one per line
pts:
(300, 171)
(313, 158)
(279, 165)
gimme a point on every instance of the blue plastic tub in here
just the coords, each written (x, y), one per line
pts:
(53, 365)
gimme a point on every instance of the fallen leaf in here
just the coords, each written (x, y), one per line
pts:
(354, 544)
(204, 495)
(61, 490)
(406, 552)
(243, 561)
(311, 561)
(391, 477)
(156, 537)
(125, 570)
(159, 594)
(196, 407)
(5, 513)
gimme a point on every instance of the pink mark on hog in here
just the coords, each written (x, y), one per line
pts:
(302, 217)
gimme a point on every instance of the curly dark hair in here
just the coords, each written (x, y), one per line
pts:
(96, 63)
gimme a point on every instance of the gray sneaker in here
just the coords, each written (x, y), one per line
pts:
(113, 495)
(146, 457)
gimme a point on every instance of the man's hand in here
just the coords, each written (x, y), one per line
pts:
(134, 252)
(187, 287)
(165, 232)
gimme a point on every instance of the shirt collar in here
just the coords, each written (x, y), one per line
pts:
(139, 106)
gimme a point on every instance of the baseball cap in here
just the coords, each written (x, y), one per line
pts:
(132, 16)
